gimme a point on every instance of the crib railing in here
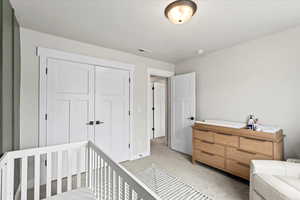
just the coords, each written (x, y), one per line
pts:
(40, 173)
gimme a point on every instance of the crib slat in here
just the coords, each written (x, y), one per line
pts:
(69, 170)
(111, 182)
(97, 176)
(106, 180)
(10, 179)
(24, 178)
(1, 184)
(103, 178)
(37, 175)
(94, 171)
(88, 175)
(59, 170)
(4, 183)
(49, 175)
(94, 174)
(87, 167)
(117, 186)
(78, 168)
(123, 189)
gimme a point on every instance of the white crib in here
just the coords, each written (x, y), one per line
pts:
(40, 173)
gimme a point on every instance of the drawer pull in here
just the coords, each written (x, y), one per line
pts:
(227, 134)
(211, 154)
(199, 131)
(243, 164)
(241, 150)
(208, 142)
(255, 139)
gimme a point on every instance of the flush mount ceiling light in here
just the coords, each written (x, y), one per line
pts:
(180, 11)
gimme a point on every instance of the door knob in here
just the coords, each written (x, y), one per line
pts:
(99, 122)
(91, 123)
(192, 118)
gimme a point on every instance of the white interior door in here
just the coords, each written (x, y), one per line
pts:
(70, 99)
(70, 107)
(112, 112)
(183, 105)
(159, 109)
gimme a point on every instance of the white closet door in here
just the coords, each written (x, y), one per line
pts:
(183, 98)
(159, 109)
(70, 99)
(112, 112)
(70, 108)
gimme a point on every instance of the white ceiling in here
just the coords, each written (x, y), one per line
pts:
(131, 24)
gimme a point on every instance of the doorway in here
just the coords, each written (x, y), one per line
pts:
(158, 107)
(159, 86)
(180, 109)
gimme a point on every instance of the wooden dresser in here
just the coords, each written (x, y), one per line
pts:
(231, 149)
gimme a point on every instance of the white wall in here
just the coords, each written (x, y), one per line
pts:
(260, 76)
(30, 82)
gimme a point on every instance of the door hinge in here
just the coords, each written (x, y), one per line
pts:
(129, 80)
(46, 70)
(129, 146)
(152, 88)
(129, 112)
(152, 129)
(153, 108)
(46, 116)
(45, 162)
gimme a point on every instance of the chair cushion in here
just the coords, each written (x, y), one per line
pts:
(277, 187)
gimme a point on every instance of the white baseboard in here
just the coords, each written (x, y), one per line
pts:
(140, 155)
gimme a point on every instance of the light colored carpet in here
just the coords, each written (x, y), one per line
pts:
(216, 184)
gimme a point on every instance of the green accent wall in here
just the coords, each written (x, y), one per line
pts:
(9, 79)
(16, 83)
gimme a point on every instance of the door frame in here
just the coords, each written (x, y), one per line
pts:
(45, 53)
(161, 73)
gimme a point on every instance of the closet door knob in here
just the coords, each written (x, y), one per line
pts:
(91, 123)
(99, 122)
(192, 118)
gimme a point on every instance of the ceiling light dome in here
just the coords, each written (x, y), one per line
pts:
(180, 11)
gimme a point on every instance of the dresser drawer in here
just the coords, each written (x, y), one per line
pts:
(244, 156)
(209, 147)
(257, 146)
(210, 159)
(238, 168)
(230, 140)
(204, 135)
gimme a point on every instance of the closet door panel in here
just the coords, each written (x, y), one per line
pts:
(70, 102)
(112, 111)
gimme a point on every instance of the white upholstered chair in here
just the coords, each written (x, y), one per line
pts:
(274, 180)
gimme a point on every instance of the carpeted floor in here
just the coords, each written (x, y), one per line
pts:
(216, 184)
